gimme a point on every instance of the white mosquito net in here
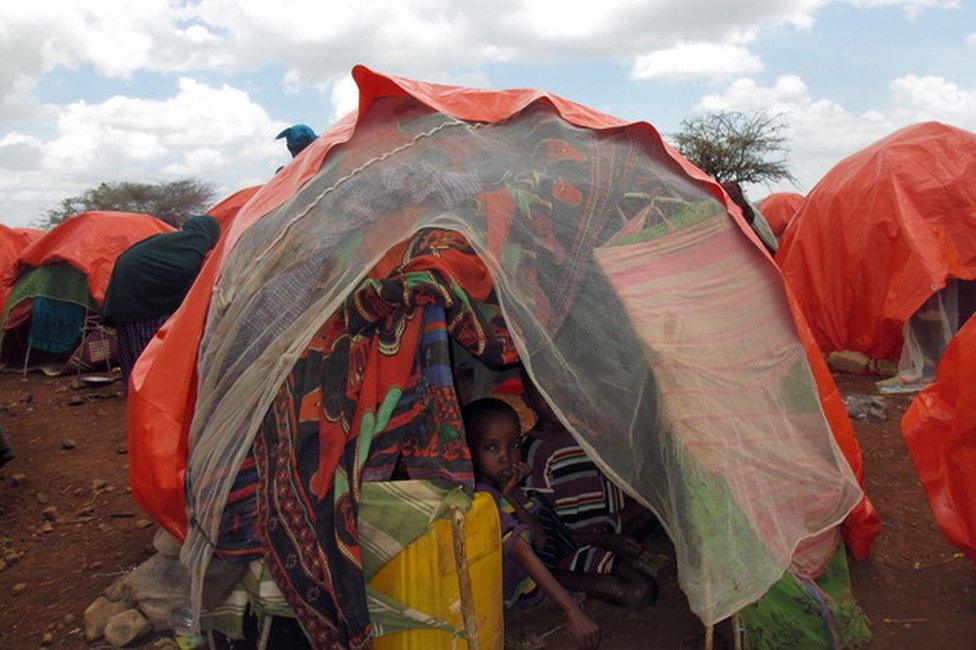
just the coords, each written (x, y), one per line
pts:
(660, 335)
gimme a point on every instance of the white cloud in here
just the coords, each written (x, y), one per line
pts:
(690, 60)
(213, 132)
(821, 131)
(318, 42)
(971, 39)
(344, 97)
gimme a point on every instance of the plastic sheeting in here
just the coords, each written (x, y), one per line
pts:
(733, 451)
(779, 209)
(91, 242)
(940, 431)
(225, 211)
(883, 231)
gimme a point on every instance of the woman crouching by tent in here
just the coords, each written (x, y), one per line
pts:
(150, 280)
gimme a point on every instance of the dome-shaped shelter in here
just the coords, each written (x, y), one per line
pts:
(883, 232)
(61, 277)
(637, 297)
(779, 209)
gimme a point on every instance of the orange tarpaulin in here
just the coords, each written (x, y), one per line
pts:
(940, 431)
(225, 211)
(779, 209)
(883, 231)
(12, 242)
(163, 385)
(91, 242)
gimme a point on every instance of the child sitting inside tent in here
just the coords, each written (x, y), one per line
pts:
(595, 510)
(536, 546)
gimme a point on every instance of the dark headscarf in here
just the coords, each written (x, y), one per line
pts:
(297, 137)
(152, 277)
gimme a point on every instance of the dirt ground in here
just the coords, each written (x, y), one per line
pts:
(916, 590)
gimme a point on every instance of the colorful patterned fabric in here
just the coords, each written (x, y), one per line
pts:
(583, 497)
(133, 339)
(801, 613)
(372, 394)
(391, 516)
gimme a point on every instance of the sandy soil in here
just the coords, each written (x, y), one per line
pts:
(916, 590)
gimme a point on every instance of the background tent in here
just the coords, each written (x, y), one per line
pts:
(779, 209)
(304, 241)
(881, 233)
(940, 431)
(65, 272)
(90, 242)
(225, 211)
(12, 242)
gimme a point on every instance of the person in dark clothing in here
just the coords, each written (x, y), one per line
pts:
(149, 282)
(297, 137)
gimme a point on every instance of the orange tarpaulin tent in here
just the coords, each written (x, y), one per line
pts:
(940, 431)
(12, 242)
(883, 231)
(225, 211)
(91, 242)
(779, 209)
(163, 384)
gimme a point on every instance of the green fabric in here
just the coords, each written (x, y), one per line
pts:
(689, 215)
(787, 617)
(151, 278)
(59, 281)
(392, 515)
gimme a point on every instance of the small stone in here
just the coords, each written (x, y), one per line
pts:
(69, 619)
(122, 449)
(143, 523)
(126, 627)
(19, 588)
(99, 484)
(47, 527)
(79, 491)
(48, 639)
(67, 444)
(50, 513)
(98, 614)
(95, 566)
(42, 498)
(76, 400)
(109, 488)
(18, 479)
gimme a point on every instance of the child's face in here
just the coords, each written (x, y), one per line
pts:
(496, 450)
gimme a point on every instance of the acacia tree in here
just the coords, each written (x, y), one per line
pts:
(181, 197)
(735, 147)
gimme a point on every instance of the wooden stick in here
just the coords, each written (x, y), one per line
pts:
(710, 637)
(464, 580)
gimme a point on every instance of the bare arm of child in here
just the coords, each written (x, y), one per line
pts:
(582, 627)
(509, 489)
(620, 544)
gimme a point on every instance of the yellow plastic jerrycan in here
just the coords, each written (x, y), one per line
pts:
(425, 577)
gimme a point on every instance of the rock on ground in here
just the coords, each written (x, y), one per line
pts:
(127, 627)
(98, 614)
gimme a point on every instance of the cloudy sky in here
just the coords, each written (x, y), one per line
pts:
(108, 90)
